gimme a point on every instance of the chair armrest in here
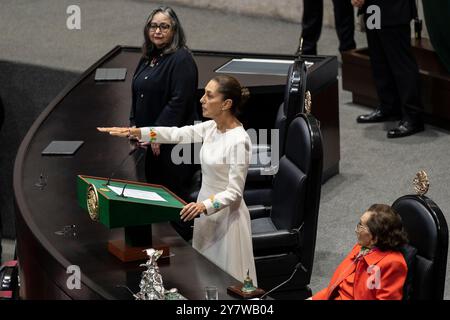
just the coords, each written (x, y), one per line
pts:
(254, 195)
(259, 211)
(275, 242)
(269, 170)
(254, 174)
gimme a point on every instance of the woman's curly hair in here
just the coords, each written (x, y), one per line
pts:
(386, 227)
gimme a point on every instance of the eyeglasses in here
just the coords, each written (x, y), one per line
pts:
(164, 27)
(360, 227)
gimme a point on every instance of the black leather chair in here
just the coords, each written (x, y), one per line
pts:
(428, 234)
(260, 175)
(284, 235)
(259, 180)
(264, 151)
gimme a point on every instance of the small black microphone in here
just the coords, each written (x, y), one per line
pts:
(121, 164)
(297, 266)
(122, 195)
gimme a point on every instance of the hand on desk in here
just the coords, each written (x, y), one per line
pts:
(191, 210)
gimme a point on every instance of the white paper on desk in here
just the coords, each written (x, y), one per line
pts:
(138, 194)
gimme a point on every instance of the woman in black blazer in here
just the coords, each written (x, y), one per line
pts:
(164, 94)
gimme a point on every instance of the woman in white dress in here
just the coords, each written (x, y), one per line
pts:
(222, 232)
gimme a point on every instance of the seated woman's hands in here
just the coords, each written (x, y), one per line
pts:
(191, 210)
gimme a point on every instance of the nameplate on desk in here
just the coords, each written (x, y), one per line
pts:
(272, 67)
(110, 74)
(64, 148)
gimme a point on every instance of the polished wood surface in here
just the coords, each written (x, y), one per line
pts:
(53, 232)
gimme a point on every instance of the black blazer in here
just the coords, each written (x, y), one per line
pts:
(165, 94)
(394, 12)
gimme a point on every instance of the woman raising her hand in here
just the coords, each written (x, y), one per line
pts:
(222, 232)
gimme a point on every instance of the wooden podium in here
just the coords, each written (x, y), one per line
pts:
(130, 205)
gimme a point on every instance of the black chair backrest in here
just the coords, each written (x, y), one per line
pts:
(297, 184)
(294, 95)
(294, 99)
(280, 125)
(427, 232)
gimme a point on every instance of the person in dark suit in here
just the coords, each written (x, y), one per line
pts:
(394, 68)
(312, 24)
(164, 94)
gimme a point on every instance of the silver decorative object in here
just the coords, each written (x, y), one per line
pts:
(151, 284)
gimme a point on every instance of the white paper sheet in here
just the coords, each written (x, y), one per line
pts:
(138, 194)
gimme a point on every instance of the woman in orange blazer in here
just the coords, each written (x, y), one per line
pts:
(375, 268)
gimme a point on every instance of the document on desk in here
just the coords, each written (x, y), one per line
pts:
(138, 194)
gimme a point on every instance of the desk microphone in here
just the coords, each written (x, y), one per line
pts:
(122, 163)
(297, 266)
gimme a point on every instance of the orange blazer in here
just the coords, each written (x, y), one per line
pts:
(379, 275)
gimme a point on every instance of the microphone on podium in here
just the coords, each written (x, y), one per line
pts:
(132, 151)
(299, 265)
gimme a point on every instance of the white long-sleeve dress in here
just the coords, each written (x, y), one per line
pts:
(223, 234)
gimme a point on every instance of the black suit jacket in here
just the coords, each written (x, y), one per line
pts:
(394, 12)
(165, 95)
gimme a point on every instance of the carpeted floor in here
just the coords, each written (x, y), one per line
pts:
(41, 55)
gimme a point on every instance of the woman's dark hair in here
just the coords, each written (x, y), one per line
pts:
(231, 89)
(386, 226)
(178, 40)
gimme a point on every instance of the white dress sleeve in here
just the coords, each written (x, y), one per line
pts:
(186, 134)
(239, 159)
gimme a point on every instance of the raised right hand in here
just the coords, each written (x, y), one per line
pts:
(116, 131)
(358, 3)
(124, 132)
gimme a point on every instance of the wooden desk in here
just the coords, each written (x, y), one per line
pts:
(267, 93)
(45, 254)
